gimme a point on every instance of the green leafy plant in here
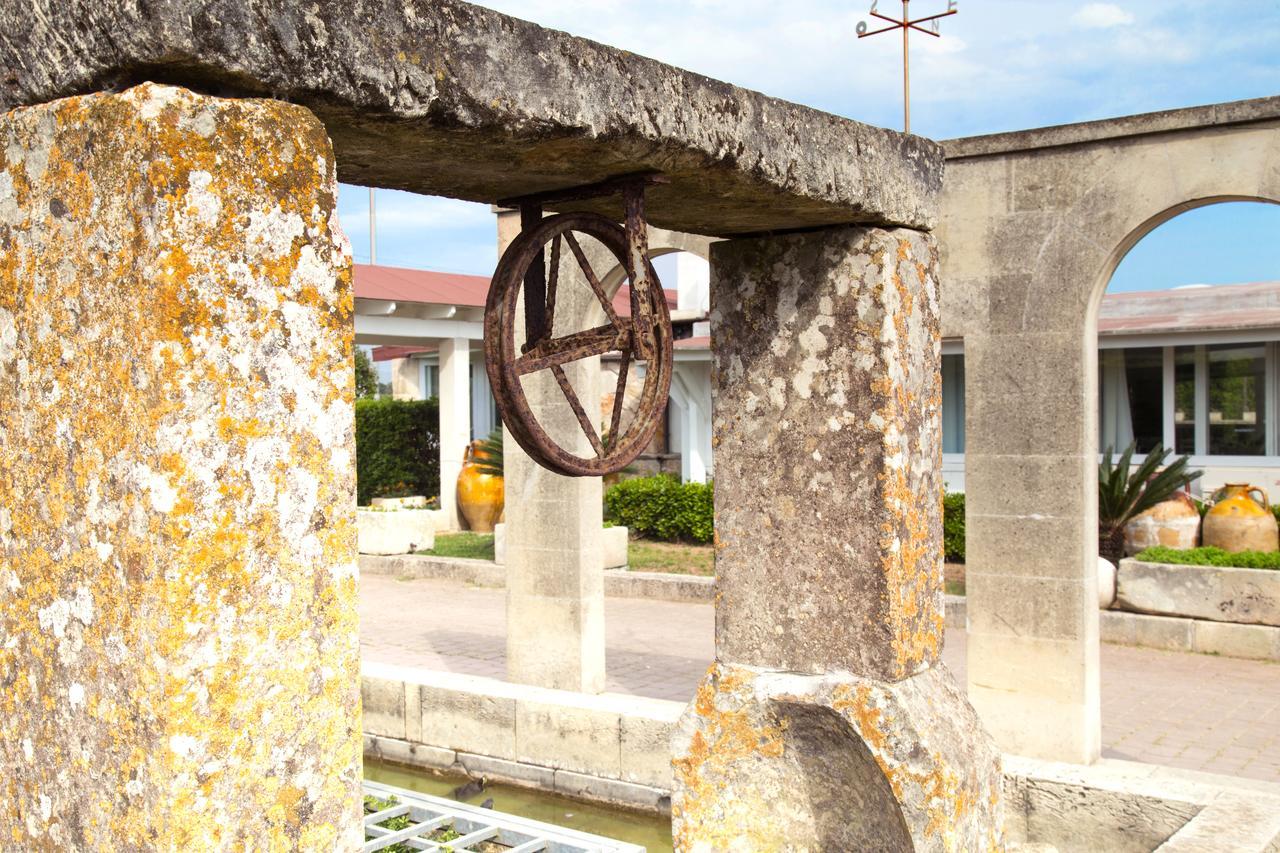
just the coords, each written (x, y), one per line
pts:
(366, 376)
(397, 448)
(953, 527)
(489, 459)
(1212, 557)
(662, 507)
(1125, 492)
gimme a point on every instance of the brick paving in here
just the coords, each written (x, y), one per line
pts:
(1198, 712)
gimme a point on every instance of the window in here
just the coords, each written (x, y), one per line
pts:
(953, 404)
(430, 381)
(1205, 400)
(1237, 389)
(1131, 393)
(1184, 401)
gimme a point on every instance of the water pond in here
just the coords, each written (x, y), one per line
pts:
(653, 831)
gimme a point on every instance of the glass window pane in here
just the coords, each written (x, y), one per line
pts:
(1237, 400)
(1184, 400)
(953, 404)
(1131, 395)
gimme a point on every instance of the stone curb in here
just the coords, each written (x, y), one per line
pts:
(1167, 633)
(618, 583)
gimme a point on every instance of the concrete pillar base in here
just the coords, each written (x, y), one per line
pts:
(770, 760)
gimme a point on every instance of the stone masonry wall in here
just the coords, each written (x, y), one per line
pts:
(178, 631)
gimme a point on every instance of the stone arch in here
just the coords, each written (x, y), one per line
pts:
(1033, 226)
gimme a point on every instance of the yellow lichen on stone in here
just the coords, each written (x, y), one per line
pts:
(178, 630)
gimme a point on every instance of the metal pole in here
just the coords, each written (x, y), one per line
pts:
(373, 230)
(906, 71)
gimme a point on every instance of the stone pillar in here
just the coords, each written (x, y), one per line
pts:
(828, 721)
(555, 584)
(1031, 484)
(455, 422)
(179, 647)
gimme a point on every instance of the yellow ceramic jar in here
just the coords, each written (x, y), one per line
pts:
(1241, 520)
(480, 496)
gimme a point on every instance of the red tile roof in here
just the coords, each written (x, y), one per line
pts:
(1192, 309)
(398, 284)
(390, 352)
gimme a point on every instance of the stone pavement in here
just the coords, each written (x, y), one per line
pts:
(1199, 712)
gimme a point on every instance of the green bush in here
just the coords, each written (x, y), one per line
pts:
(397, 448)
(662, 507)
(953, 527)
(1212, 557)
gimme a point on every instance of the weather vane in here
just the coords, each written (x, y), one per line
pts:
(906, 25)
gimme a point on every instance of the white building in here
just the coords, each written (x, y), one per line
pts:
(1195, 368)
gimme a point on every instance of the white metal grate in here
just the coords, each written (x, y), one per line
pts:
(461, 828)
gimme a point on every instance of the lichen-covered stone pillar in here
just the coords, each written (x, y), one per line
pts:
(555, 584)
(178, 633)
(828, 721)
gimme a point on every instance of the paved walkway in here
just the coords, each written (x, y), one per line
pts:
(1199, 712)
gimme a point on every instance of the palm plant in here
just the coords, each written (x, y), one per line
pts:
(489, 458)
(1124, 494)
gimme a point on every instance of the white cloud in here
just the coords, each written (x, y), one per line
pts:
(1102, 16)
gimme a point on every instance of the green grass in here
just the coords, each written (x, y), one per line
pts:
(1212, 557)
(646, 555)
(471, 546)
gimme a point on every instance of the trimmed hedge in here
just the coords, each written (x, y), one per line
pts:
(1212, 557)
(662, 507)
(397, 448)
(953, 527)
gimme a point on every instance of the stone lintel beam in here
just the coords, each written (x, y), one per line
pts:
(827, 414)
(179, 643)
(772, 761)
(452, 99)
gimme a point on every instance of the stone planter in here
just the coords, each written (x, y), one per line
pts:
(1246, 596)
(397, 531)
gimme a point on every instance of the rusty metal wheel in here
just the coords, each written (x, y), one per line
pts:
(644, 337)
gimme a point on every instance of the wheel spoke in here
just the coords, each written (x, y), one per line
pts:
(553, 279)
(585, 422)
(619, 398)
(579, 345)
(596, 287)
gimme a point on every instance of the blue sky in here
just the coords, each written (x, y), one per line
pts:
(1000, 65)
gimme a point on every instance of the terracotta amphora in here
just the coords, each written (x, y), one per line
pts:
(1174, 523)
(1241, 520)
(480, 496)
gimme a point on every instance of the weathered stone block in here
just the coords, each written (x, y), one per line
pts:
(836, 762)
(1250, 596)
(447, 98)
(828, 451)
(583, 739)
(178, 629)
(646, 744)
(468, 721)
(382, 705)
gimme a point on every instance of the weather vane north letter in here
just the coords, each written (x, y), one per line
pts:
(906, 25)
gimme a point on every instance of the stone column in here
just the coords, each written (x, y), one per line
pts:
(555, 585)
(828, 721)
(455, 422)
(179, 647)
(1031, 483)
